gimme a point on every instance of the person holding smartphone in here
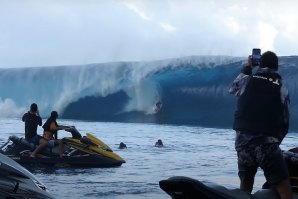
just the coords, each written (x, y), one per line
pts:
(32, 120)
(261, 122)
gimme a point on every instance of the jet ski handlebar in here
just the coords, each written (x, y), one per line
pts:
(74, 132)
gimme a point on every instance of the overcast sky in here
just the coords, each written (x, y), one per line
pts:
(67, 32)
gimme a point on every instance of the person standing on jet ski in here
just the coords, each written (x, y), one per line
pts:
(261, 122)
(32, 120)
(50, 129)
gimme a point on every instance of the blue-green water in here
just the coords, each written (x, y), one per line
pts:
(206, 154)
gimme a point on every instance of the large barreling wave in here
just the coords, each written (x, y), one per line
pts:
(192, 90)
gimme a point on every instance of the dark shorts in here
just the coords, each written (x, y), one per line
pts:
(268, 156)
(35, 140)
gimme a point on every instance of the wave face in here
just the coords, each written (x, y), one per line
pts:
(193, 90)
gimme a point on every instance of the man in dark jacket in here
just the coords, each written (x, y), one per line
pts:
(261, 122)
(32, 120)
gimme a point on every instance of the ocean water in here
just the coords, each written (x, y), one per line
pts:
(205, 154)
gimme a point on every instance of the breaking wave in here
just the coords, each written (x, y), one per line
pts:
(192, 90)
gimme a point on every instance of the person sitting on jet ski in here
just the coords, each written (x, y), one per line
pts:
(50, 134)
(32, 120)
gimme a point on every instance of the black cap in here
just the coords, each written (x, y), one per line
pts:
(54, 114)
(269, 60)
(33, 107)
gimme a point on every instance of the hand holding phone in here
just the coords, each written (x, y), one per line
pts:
(249, 61)
(255, 57)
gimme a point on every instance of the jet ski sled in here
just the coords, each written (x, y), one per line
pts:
(291, 157)
(86, 151)
(180, 187)
(18, 183)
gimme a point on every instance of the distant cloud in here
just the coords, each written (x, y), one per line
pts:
(290, 29)
(167, 27)
(138, 10)
(267, 33)
(232, 25)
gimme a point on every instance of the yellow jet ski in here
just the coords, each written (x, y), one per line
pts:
(86, 151)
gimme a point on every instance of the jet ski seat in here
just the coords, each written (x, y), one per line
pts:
(180, 187)
(23, 141)
(30, 146)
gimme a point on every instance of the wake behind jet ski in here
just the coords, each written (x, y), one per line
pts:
(86, 151)
(17, 182)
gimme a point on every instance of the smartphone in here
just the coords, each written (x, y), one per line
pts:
(256, 55)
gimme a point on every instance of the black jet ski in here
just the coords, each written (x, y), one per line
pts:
(180, 187)
(17, 182)
(86, 151)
